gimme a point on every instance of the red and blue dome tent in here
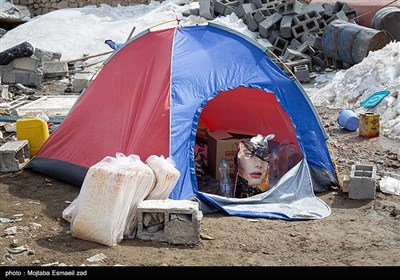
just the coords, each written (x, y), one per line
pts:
(147, 100)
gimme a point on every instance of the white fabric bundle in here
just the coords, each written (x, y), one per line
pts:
(109, 196)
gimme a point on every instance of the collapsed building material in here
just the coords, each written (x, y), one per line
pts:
(22, 50)
(284, 23)
(14, 155)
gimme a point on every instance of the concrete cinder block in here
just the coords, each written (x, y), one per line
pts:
(292, 64)
(280, 46)
(8, 77)
(22, 77)
(250, 21)
(328, 9)
(291, 54)
(44, 55)
(257, 3)
(25, 63)
(14, 155)
(312, 40)
(80, 82)
(290, 7)
(55, 69)
(35, 79)
(362, 181)
(229, 10)
(302, 73)
(206, 9)
(172, 221)
(220, 5)
(317, 7)
(261, 14)
(269, 24)
(244, 9)
(286, 26)
(294, 44)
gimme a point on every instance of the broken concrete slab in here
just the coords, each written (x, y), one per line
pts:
(53, 105)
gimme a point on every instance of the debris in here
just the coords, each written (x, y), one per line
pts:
(206, 236)
(18, 250)
(24, 89)
(22, 50)
(97, 258)
(35, 226)
(14, 243)
(51, 264)
(34, 202)
(10, 230)
(5, 220)
(389, 185)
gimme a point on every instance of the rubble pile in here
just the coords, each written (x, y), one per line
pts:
(293, 29)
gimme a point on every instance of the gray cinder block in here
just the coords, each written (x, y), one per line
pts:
(302, 73)
(14, 155)
(206, 9)
(362, 181)
(55, 69)
(25, 63)
(172, 221)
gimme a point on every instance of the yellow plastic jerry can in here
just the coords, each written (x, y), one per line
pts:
(34, 130)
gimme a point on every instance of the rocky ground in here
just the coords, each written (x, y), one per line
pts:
(357, 233)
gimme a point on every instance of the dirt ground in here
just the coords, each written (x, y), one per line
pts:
(357, 233)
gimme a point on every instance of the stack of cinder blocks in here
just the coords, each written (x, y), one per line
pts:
(14, 155)
(172, 221)
(362, 181)
(286, 26)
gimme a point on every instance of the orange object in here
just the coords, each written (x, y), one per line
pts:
(369, 125)
(35, 131)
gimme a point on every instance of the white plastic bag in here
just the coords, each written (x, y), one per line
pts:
(166, 174)
(110, 192)
(389, 185)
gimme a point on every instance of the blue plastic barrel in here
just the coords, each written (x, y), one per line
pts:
(350, 42)
(348, 120)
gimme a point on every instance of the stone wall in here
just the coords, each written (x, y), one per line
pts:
(40, 7)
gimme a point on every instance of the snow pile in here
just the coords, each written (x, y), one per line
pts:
(380, 70)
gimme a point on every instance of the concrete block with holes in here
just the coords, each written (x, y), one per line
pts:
(14, 155)
(362, 181)
(171, 221)
(302, 73)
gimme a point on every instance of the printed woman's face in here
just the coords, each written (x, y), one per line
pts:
(251, 168)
